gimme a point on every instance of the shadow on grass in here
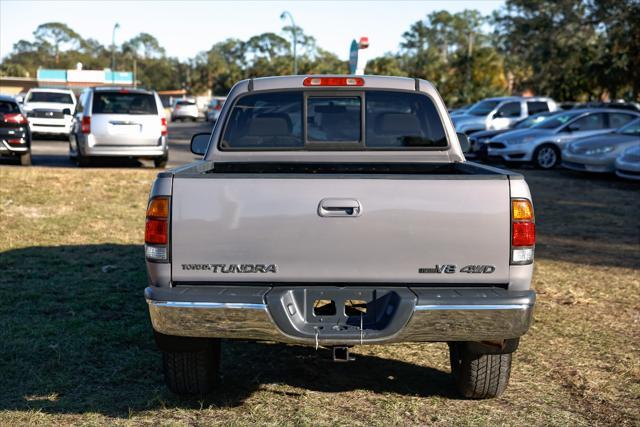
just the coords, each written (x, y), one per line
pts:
(75, 337)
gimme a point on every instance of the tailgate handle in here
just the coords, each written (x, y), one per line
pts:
(339, 207)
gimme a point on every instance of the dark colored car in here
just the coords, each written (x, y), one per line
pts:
(478, 140)
(15, 136)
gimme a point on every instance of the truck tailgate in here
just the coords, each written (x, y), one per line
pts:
(404, 230)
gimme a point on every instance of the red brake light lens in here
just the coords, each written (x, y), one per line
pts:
(524, 234)
(157, 224)
(163, 126)
(86, 124)
(333, 81)
(15, 118)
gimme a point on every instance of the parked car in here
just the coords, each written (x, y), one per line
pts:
(598, 153)
(15, 135)
(213, 109)
(500, 113)
(478, 140)
(628, 163)
(542, 143)
(334, 211)
(184, 109)
(115, 122)
(50, 111)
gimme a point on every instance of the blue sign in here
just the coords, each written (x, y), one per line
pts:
(353, 57)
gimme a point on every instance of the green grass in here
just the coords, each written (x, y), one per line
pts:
(76, 344)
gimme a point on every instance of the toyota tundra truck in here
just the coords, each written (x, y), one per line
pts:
(334, 211)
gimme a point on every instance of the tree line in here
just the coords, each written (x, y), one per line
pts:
(568, 49)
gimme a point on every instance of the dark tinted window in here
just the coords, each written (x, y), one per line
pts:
(62, 98)
(617, 120)
(399, 119)
(123, 103)
(7, 107)
(392, 120)
(185, 103)
(537, 107)
(510, 109)
(590, 122)
(556, 121)
(632, 128)
(268, 120)
(334, 119)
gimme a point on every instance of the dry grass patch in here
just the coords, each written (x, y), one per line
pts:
(76, 342)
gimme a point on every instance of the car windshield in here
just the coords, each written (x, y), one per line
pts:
(483, 108)
(124, 103)
(555, 121)
(185, 103)
(7, 107)
(531, 121)
(57, 97)
(632, 128)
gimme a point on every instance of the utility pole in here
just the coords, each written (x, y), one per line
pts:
(283, 15)
(113, 51)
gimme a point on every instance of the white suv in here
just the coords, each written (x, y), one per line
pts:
(115, 122)
(50, 111)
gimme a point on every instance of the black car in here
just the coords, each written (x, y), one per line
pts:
(15, 136)
(477, 140)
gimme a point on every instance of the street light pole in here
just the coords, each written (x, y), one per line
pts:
(283, 15)
(113, 50)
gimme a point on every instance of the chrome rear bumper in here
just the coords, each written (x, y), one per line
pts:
(436, 314)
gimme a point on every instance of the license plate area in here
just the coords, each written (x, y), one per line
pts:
(340, 314)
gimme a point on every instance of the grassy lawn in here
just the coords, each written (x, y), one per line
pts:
(76, 344)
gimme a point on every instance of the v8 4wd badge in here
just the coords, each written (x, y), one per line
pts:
(452, 268)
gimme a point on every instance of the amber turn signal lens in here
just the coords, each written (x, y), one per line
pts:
(158, 208)
(521, 210)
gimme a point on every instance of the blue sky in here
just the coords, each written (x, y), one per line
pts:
(188, 27)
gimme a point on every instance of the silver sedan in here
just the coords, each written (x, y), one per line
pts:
(628, 163)
(598, 153)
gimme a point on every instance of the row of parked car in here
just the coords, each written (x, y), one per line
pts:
(103, 121)
(604, 139)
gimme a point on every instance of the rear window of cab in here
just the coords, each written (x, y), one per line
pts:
(333, 121)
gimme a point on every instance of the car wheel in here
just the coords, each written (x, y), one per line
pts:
(25, 159)
(160, 162)
(192, 372)
(546, 156)
(194, 119)
(479, 376)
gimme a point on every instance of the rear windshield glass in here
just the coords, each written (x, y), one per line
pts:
(391, 120)
(123, 103)
(60, 98)
(8, 107)
(185, 103)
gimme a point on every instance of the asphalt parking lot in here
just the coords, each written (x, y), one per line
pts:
(54, 151)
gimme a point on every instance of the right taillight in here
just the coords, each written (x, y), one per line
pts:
(163, 126)
(523, 232)
(86, 124)
(156, 233)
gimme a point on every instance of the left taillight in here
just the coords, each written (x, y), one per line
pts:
(523, 232)
(163, 126)
(16, 118)
(86, 125)
(156, 233)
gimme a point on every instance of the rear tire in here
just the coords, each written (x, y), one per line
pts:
(479, 376)
(160, 162)
(190, 373)
(546, 156)
(25, 159)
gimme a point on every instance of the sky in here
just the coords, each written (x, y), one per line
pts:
(185, 28)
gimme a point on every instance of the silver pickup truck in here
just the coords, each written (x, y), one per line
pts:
(335, 211)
